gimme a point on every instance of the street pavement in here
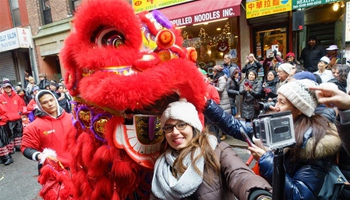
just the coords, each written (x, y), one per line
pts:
(18, 181)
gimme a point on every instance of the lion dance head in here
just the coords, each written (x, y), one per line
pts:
(123, 70)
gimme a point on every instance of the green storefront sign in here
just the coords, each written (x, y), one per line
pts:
(308, 3)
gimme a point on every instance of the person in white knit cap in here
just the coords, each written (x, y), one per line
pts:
(195, 166)
(317, 143)
(284, 71)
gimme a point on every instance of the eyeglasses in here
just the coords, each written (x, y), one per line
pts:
(168, 128)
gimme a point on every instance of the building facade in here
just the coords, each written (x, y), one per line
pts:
(50, 22)
(15, 41)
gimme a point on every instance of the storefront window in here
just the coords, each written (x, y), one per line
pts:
(212, 41)
(268, 40)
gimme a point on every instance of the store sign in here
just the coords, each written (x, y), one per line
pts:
(257, 8)
(15, 38)
(142, 5)
(347, 23)
(308, 3)
(207, 16)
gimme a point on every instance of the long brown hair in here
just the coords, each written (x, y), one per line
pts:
(199, 140)
(320, 127)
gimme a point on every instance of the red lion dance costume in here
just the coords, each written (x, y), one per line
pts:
(123, 70)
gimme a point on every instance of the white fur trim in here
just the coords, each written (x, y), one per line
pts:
(47, 153)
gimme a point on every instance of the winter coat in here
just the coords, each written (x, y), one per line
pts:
(270, 89)
(341, 85)
(311, 56)
(269, 65)
(31, 105)
(212, 93)
(229, 69)
(304, 176)
(236, 179)
(43, 83)
(255, 66)
(29, 89)
(232, 88)
(248, 110)
(48, 132)
(63, 102)
(343, 127)
(3, 115)
(226, 122)
(13, 104)
(220, 86)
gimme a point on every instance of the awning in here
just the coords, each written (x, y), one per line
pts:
(202, 11)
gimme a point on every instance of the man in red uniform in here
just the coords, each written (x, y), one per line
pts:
(5, 156)
(48, 130)
(14, 106)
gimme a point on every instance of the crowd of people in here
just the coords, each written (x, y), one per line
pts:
(251, 94)
(19, 107)
(308, 88)
(195, 163)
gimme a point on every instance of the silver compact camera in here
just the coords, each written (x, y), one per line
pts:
(276, 130)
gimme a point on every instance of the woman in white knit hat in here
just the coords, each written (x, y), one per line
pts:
(317, 143)
(195, 166)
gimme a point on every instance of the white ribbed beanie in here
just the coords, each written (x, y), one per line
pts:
(298, 93)
(184, 111)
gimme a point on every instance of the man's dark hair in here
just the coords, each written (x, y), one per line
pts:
(43, 93)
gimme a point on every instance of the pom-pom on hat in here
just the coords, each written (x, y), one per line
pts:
(288, 68)
(184, 111)
(298, 93)
(325, 59)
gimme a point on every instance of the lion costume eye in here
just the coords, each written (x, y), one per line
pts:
(109, 37)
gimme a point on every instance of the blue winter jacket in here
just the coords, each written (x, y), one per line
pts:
(226, 122)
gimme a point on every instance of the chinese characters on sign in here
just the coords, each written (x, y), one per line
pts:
(142, 5)
(257, 8)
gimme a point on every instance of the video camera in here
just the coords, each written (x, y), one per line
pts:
(276, 130)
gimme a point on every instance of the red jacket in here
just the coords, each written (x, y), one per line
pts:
(212, 93)
(31, 105)
(13, 105)
(3, 115)
(48, 132)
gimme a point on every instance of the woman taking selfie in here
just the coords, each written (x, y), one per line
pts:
(317, 142)
(195, 166)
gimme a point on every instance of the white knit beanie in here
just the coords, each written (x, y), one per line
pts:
(298, 93)
(288, 68)
(184, 111)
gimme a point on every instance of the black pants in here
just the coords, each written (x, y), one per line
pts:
(14, 129)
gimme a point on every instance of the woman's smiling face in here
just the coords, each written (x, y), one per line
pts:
(178, 139)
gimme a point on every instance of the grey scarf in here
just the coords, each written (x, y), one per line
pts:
(166, 186)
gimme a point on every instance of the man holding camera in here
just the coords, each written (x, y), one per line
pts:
(251, 64)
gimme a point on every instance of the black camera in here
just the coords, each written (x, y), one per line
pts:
(276, 130)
